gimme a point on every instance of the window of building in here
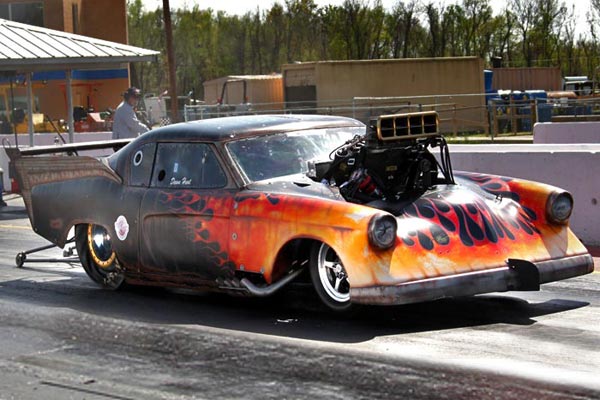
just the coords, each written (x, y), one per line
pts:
(31, 13)
(187, 165)
(75, 11)
(4, 14)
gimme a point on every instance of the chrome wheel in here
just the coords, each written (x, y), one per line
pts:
(100, 246)
(332, 278)
(98, 257)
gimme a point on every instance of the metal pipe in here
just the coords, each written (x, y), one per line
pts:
(30, 107)
(270, 289)
(12, 111)
(70, 120)
(2, 202)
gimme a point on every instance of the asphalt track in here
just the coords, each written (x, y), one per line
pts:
(61, 337)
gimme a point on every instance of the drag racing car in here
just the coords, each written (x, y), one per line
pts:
(245, 205)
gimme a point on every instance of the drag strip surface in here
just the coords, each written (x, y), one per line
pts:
(62, 337)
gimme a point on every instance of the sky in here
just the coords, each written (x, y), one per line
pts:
(243, 6)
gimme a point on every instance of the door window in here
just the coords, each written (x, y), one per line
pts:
(187, 165)
(141, 165)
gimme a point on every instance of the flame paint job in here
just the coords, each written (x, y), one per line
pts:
(182, 237)
(447, 231)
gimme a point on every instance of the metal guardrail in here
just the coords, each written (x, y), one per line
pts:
(359, 108)
(459, 113)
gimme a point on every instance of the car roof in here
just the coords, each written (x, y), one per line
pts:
(232, 128)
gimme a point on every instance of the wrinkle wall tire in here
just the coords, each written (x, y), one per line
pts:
(329, 278)
(107, 275)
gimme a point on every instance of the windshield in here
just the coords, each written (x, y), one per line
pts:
(283, 154)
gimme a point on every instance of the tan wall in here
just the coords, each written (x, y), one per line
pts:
(105, 19)
(259, 90)
(101, 19)
(338, 82)
(268, 91)
(68, 15)
(411, 77)
(549, 79)
(212, 91)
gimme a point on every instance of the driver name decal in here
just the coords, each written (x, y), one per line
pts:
(180, 182)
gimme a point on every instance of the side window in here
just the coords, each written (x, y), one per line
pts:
(141, 163)
(187, 165)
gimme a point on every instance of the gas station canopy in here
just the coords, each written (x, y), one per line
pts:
(27, 49)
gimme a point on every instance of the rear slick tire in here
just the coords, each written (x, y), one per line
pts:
(329, 278)
(97, 257)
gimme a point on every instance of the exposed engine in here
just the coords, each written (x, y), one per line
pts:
(391, 164)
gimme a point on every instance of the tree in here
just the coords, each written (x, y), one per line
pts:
(401, 23)
(213, 44)
(525, 13)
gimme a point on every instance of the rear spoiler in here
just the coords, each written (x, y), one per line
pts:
(31, 171)
(71, 148)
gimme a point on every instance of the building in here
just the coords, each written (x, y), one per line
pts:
(82, 17)
(534, 78)
(264, 92)
(453, 86)
(92, 89)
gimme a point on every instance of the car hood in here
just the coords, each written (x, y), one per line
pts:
(459, 214)
(297, 184)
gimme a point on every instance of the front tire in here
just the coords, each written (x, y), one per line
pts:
(94, 247)
(329, 278)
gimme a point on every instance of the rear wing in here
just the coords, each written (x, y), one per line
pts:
(45, 165)
(70, 149)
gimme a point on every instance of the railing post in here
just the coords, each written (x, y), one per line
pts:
(70, 119)
(496, 122)
(2, 202)
(454, 129)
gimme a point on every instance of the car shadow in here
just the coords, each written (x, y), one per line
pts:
(295, 313)
(9, 213)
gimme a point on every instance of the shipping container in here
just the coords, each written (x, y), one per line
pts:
(453, 86)
(264, 92)
(542, 78)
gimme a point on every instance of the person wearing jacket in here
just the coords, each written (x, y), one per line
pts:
(125, 122)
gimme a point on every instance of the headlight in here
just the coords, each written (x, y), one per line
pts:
(559, 207)
(383, 231)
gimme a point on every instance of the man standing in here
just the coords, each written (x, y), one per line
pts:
(125, 122)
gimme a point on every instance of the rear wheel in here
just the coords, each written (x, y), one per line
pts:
(329, 278)
(97, 256)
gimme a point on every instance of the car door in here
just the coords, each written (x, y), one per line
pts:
(127, 220)
(185, 212)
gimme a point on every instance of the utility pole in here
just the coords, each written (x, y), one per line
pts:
(171, 61)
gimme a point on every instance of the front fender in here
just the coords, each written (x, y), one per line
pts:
(262, 224)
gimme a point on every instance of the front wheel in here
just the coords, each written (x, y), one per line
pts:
(329, 278)
(94, 247)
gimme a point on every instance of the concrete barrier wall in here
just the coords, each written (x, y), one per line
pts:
(566, 132)
(573, 167)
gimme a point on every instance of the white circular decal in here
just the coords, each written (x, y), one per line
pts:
(121, 227)
(137, 158)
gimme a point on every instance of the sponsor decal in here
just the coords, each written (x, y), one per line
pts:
(122, 227)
